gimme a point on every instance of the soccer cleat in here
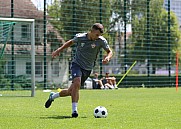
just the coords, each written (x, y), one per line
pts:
(75, 114)
(49, 101)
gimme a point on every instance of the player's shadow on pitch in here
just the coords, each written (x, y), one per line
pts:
(59, 117)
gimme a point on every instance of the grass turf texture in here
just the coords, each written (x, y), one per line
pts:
(138, 108)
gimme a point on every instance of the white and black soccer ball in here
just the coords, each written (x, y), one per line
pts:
(100, 112)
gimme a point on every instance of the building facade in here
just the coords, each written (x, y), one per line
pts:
(56, 70)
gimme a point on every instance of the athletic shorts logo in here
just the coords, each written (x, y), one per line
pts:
(74, 74)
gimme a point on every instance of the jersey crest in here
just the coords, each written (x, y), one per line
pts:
(93, 45)
(82, 44)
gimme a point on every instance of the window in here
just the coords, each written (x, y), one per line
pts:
(10, 68)
(37, 30)
(55, 68)
(38, 68)
(25, 31)
(28, 68)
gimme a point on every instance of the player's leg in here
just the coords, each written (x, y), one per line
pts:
(109, 86)
(104, 81)
(62, 93)
(74, 89)
(114, 82)
(79, 81)
(110, 82)
(53, 96)
(101, 86)
(66, 92)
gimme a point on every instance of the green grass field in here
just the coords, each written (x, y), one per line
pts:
(139, 108)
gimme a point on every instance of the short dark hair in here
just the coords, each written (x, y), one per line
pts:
(98, 26)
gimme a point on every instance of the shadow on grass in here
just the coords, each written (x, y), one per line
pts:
(59, 117)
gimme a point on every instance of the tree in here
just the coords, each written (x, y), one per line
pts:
(75, 16)
(120, 10)
(157, 47)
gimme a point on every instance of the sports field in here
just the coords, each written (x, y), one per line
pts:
(139, 108)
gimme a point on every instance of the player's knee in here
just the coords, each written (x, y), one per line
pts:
(69, 92)
(77, 83)
(113, 78)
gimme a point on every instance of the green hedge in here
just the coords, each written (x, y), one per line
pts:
(145, 81)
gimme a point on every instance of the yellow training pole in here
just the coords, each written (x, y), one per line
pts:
(126, 73)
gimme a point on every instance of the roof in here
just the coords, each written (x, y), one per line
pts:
(22, 9)
(26, 49)
(26, 9)
(51, 29)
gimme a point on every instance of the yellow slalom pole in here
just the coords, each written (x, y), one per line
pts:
(126, 73)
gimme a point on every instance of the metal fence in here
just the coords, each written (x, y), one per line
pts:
(146, 31)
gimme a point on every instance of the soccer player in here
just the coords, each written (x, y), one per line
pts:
(110, 82)
(97, 83)
(88, 47)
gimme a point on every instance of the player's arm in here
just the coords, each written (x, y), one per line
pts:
(108, 56)
(109, 78)
(60, 49)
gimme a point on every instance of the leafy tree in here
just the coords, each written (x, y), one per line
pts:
(75, 16)
(157, 46)
(120, 10)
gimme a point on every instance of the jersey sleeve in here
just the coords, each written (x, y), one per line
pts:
(78, 36)
(75, 39)
(105, 45)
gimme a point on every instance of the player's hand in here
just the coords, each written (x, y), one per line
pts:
(105, 60)
(55, 54)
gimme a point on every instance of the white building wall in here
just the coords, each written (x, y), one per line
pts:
(62, 78)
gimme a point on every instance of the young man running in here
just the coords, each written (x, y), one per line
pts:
(88, 47)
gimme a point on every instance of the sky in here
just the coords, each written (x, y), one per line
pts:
(40, 3)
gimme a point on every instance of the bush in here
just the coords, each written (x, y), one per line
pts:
(20, 81)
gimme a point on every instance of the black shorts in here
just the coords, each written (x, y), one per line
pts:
(95, 85)
(104, 81)
(77, 71)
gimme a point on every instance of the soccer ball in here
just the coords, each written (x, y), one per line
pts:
(100, 112)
